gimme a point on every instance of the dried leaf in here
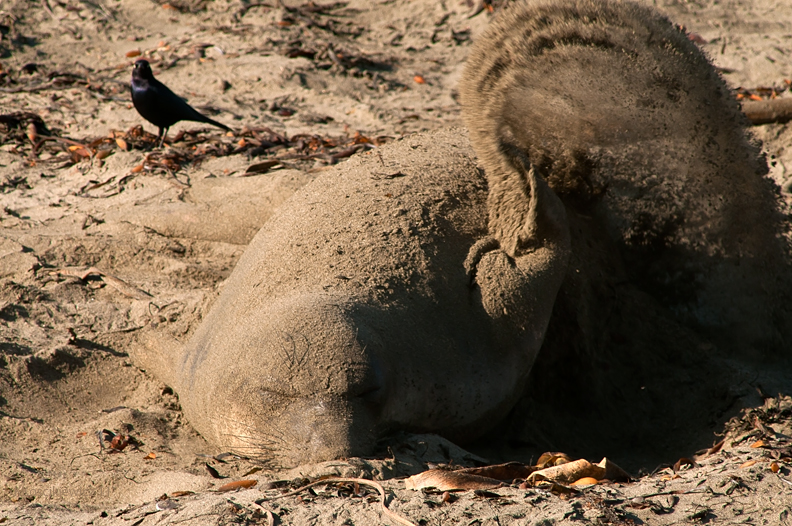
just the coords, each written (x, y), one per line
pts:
(552, 458)
(31, 132)
(614, 472)
(754, 97)
(759, 443)
(119, 442)
(231, 486)
(715, 448)
(136, 169)
(445, 480)
(260, 168)
(81, 434)
(774, 467)
(748, 464)
(121, 143)
(419, 79)
(125, 288)
(150, 456)
(584, 481)
(133, 53)
(508, 471)
(568, 472)
(182, 493)
(213, 472)
(684, 462)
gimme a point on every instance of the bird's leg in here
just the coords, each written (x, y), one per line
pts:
(163, 132)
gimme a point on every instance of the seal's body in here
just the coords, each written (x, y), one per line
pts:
(351, 313)
(404, 290)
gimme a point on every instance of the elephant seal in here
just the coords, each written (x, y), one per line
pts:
(405, 289)
(351, 314)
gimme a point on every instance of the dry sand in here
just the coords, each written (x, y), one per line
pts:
(382, 69)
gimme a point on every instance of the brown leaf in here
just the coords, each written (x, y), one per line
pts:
(121, 143)
(715, 448)
(759, 443)
(774, 467)
(584, 481)
(747, 464)
(133, 53)
(552, 458)
(683, 462)
(119, 442)
(568, 472)
(182, 493)
(260, 168)
(508, 471)
(231, 486)
(125, 288)
(150, 456)
(614, 472)
(445, 480)
(213, 472)
(419, 79)
(31, 132)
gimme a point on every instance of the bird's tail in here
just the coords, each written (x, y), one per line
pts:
(215, 123)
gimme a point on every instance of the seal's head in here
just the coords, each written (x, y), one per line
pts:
(300, 384)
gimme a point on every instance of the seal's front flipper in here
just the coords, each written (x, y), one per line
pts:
(158, 353)
(476, 252)
(519, 277)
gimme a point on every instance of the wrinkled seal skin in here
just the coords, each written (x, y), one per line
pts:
(636, 131)
(351, 313)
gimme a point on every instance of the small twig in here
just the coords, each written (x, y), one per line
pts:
(782, 479)
(393, 515)
(768, 111)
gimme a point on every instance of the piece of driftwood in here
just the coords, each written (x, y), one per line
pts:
(768, 111)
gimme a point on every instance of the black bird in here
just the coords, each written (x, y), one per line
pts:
(159, 105)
